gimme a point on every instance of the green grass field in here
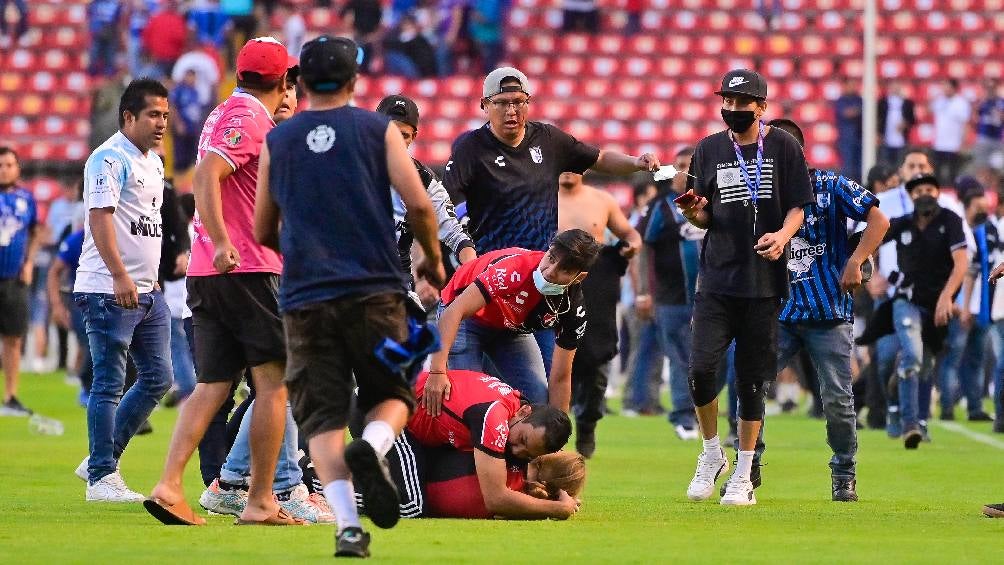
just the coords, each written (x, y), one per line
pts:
(916, 507)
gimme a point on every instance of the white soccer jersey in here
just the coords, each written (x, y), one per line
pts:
(117, 175)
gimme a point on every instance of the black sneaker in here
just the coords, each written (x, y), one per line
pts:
(912, 438)
(980, 416)
(999, 425)
(585, 441)
(947, 416)
(13, 407)
(352, 542)
(994, 510)
(844, 490)
(371, 477)
(755, 477)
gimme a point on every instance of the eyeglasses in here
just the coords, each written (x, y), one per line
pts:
(503, 105)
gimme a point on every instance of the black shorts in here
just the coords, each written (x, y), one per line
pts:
(13, 307)
(751, 322)
(328, 343)
(236, 322)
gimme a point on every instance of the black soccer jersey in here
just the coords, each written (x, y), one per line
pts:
(925, 256)
(512, 192)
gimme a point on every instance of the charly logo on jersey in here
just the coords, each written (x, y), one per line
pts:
(803, 254)
(500, 160)
(823, 200)
(145, 226)
(321, 138)
(537, 155)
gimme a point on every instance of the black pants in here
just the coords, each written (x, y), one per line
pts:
(589, 387)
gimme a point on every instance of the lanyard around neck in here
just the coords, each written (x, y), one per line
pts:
(754, 189)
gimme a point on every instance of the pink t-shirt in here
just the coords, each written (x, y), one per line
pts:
(235, 130)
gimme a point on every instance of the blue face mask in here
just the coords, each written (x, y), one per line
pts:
(547, 288)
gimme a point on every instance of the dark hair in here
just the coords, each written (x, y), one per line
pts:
(187, 203)
(575, 249)
(4, 150)
(251, 80)
(789, 126)
(954, 83)
(878, 173)
(686, 151)
(134, 98)
(557, 426)
(915, 149)
(641, 188)
(968, 197)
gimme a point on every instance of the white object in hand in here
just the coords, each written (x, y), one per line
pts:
(667, 172)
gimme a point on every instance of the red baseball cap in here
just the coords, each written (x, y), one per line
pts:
(265, 56)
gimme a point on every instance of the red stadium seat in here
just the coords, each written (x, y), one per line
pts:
(647, 130)
(924, 68)
(812, 44)
(426, 88)
(43, 82)
(611, 44)
(533, 65)
(595, 88)
(464, 87)
(824, 133)
(653, 21)
(948, 47)
(543, 44)
(21, 59)
(670, 67)
(454, 108)
(972, 23)
(892, 68)
(746, 44)
(812, 112)
(798, 90)
(720, 21)
(684, 131)
(679, 45)
(779, 68)
(658, 111)
(555, 110)
(624, 110)
(581, 129)
(574, 43)
(561, 88)
(642, 45)
(571, 66)
(5, 105)
(830, 21)
(30, 105)
(639, 67)
(589, 110)
(613, 130)
(603, 66)
(662, 89)
(11, 82)
(629, 88)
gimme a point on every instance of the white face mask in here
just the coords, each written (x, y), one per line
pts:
(547, 288)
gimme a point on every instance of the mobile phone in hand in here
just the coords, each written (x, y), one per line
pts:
(686, 199)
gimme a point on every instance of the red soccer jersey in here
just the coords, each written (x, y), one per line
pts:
(505, 279)
(475, 417)
(461, 497)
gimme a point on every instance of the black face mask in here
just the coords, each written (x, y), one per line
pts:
(980, 218)
(925, 205)
(739, 120)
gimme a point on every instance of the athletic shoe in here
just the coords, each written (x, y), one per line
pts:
(894, 424)
(755, 477)
(685, 433)
(912, 438)
(994, 510)
(630, 413)
(788, 406)
(844, 490)
(709, 468)
(299, 503)
(738, 492)
(13, 407)
(219, 500)
(925, 436)
(585, 441)
(999, 425)
(352, 542)
(980, 416)
(81, 470)
(947, 416)
(371, 477)
(111, 488)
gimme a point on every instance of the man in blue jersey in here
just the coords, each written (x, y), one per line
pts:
(819, 312)
(18, 243)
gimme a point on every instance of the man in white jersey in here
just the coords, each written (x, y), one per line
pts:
(116, 285)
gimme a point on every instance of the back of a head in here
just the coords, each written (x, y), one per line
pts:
(557, 426)
(575, 249)
(789, 126)
(562, 470)
(878, 174)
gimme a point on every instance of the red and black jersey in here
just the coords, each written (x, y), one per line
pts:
(475, 417)
(452, 489)
(505, 278)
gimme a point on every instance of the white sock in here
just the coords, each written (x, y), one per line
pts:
(342, 499)
(744, 465)
(713, 446)
(380, 435)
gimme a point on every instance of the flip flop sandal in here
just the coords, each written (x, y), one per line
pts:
(173, 514)
(280, 518)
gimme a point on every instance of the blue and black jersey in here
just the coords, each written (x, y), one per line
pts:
(18, 216)
(819, 251)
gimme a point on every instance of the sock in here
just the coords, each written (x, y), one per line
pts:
(713, 446)
(380, 435)
(744, 465)
(342, 499)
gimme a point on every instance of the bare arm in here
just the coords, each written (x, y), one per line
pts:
(618, 223)
(209, 173)
(420, 215)
(559, 384)
(437, 388)
(617, 163)
(943, 310)
(59, 313)
(871, 238)
(103, 232)
(501, 501)
(771, 245)
(34, 242)
(266, 212)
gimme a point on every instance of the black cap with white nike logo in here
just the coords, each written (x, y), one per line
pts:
(743, 82)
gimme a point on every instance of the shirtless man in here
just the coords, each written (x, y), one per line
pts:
(595, 211)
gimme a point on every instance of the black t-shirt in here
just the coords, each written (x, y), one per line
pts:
(671, 251)
(512, 192)
(925, 257)
(366, 15)
(729, 264)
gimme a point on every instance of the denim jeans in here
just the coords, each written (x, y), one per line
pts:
(181, 358)
(829, 347)
(516, 356)
(644, 366)
(79, 327)
(673, 331)
(237, 467)
(913, 365)
(961, 368)
(113, 333)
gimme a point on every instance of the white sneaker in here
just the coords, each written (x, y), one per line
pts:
(219, 501)
(684, 433)
(111, 488)
(81, 470)
(738, 492)
(308, 507)
(709, 468)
